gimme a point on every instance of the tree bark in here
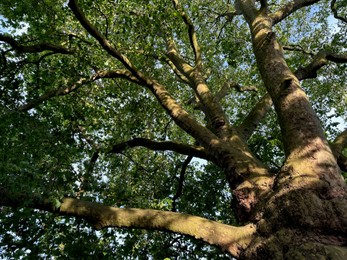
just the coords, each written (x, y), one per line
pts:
(306, 214)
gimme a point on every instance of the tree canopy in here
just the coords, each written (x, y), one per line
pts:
(169, 129)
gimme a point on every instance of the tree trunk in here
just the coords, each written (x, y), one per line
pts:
(305, 216)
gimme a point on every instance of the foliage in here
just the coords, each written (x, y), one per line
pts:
(49, 149)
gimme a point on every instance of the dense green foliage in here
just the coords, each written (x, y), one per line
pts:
(49, 149)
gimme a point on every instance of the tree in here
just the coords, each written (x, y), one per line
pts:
(105, 105)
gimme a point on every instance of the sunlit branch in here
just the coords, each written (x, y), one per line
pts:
(61, 91)
(210, 106)
(228, 238)
(106, 45)
(181, 66)
(252, 120)
(177, 71)
(334, 10)
(180, 148)
(290, 8)
(180, 116)
(40, 47)
(192, 33)
(320, 60)
(246, 8)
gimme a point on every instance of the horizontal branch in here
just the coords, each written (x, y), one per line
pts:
(61, 91)
(321, 59)
(181, 148)
(297, 47)
(40, 47)
(290, 8)
(228, 238)
(225, 89)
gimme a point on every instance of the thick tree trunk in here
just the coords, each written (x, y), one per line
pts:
(305, 217)
(301, 223)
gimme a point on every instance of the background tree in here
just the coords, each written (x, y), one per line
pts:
(129, 118)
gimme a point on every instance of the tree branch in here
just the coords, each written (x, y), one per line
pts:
(297, 47)
(33, 48)
(290, 8)
(321, 59)
(229, 238)
(179, 63)
(61, 91)
(210, 106)
(192, 33)
(334, 9)
(180, 116)
(181, 148)
(178, 72)
(252, 120)
(105, 44)
(181, 181)
(224, 90)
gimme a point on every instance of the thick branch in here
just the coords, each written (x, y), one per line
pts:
(180, 116)
(182, 67)
(290, 8)
(33, 48)
(229, 238)
(254, 117)
(178, 72)
(320, 60)
(61, 91)
(192, 33)
(181, 148)
(303, 135)
(210, 106)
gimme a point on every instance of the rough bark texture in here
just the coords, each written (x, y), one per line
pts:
(305, 217)
(299, 212)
